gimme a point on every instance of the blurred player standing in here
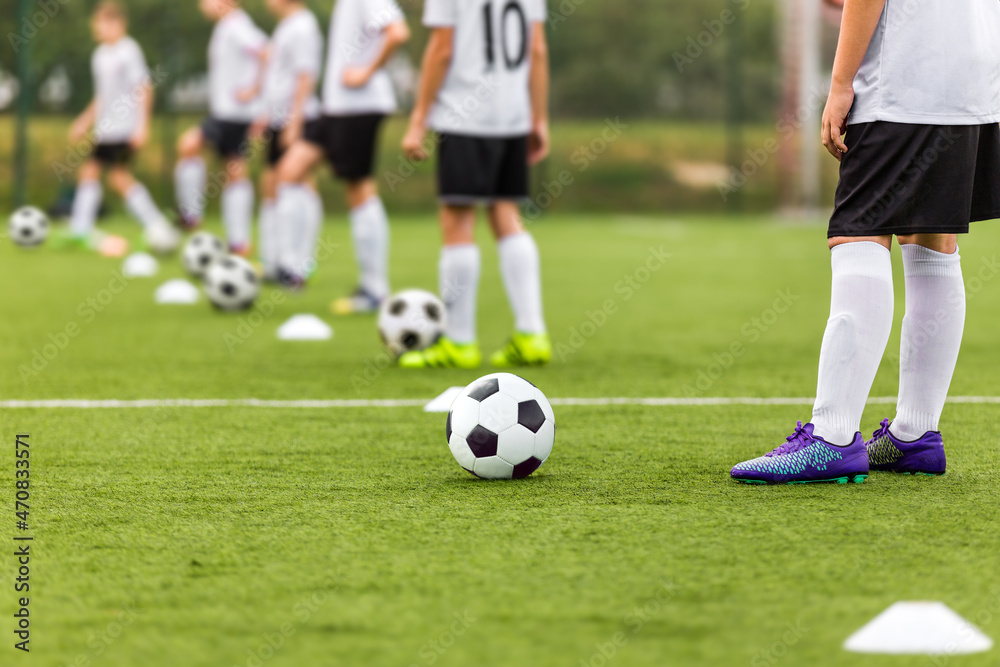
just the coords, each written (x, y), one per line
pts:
(294, 61)
(119, 117)
(357, 96)
(236, 55)
(916, 88)
(484, 89)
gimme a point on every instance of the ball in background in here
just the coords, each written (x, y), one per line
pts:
(201, 251)
(501, 427)
(28, 226)
(411, 320)
(162, 239)
(231, 283)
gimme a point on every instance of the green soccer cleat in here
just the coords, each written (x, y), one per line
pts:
(444, 354)
(524, 350)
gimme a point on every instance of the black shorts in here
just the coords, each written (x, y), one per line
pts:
(113, 155)
(229, 139)
(275, 151)
(904, 179)
(476, 170)
(348, 143)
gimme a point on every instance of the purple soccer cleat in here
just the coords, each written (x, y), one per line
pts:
(923, 456)
(807, 459)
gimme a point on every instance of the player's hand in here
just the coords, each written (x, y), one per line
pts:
(838, 105)
(356, 77)
(413, 142)
(139, 137)
(247, 94)
(538, 143)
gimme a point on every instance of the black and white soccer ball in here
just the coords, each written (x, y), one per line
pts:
(411, 320)
(202, 250)
(501, 427)
(28, 227)
(162, 238)
(231, 283)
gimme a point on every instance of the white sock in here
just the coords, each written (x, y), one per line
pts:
(459, 285)
(141, 205)
(857, 332)
(237, 212)
(86, 204)
(370, 230)
(309, 229)
(291, 210)
(189, 185)
(520, 267)
(932, 335)
(267, 237)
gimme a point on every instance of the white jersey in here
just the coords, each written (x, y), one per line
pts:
(356, 39)
(296, 49)
(234, 66)
(933, 62)
(119, 69)
(487, 90)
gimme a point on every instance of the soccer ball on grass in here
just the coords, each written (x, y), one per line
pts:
(231, 283)
(411, 320)
(202, 250)
(28, 227)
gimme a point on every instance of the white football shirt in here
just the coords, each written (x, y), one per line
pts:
(234, 66)
(932, 62)
(119, 69)
(487, 90)
(356, 40)
(296, 49)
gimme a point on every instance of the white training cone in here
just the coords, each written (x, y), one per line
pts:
(443, 402)
(305, 327)
(927, 628)
(177, 291)
(140, 265)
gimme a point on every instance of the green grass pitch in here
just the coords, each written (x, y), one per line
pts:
(252, 536)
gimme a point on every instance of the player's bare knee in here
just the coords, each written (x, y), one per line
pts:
(120, 180)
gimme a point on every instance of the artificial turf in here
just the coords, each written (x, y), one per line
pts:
(349, 536)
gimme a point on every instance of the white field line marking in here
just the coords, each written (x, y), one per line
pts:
(85, 404)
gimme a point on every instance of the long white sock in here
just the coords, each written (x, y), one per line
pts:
(267, 237)
(521, 270)
(932, 335)
(857, 332)
(459, 285)
(237, 212)
(189, 186)
(312, 222)
(291, 210)
(141, 205)
(86, 204)
(370, 230)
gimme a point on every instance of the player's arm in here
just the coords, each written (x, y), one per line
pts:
(538, 148)
(437, 61)
(253, 92)
(396, 34)
(305, 86)
(861, 17)
(144, 97)
(82, 123)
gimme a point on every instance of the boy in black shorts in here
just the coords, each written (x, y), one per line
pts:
(484, 90)
(916, 88)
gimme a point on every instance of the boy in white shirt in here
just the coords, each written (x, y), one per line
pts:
(119, 118)
(236, 56)
(484, 89)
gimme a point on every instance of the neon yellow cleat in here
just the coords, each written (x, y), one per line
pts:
(524, 350)
(444, 354)
(358, 303)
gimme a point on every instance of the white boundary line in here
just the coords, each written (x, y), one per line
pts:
(84, 404)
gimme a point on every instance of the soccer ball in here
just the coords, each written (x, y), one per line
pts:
(411, 320)
(29, 227)
(200, 251)
(231, 283)
(162, 239)
(501, 427)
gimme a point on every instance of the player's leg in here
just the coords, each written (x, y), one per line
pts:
(237, 205)
(458, 277)
(267, 221)
(161, 237)
(292, 208)
(370, 233)
(189, 178)
(86, 201)
(929, 344)
(520, 268)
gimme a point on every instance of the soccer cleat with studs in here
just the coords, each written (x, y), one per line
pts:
(923, 456)
(805, 458)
